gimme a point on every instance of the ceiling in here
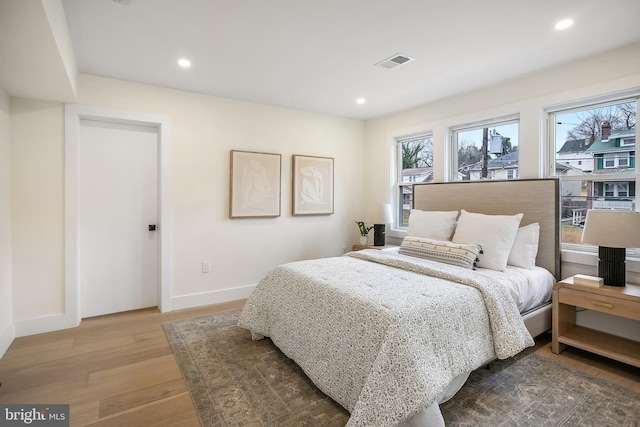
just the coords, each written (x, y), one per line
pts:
(36, 54)
(319, 56)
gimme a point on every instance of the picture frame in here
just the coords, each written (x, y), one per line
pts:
(255, 184)
(312, 185)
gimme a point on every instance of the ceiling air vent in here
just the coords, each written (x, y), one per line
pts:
(395, 60)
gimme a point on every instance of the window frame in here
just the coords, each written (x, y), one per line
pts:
(627, 142)
(398, 205)
(476, 125)
(551, 113)
(615, 159)
(616, 186)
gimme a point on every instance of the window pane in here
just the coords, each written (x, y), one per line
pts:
(580, 196)
(415, 158)
(487, 152)
(598, 141)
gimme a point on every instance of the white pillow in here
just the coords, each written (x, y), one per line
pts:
(436, 225)
(495, 233)
(525, 247)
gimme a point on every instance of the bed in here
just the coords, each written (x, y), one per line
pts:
(391, 334)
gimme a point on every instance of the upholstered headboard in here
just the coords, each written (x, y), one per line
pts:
(537, 199)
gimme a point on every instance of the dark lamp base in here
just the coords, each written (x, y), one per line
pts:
(611, 265)
(378, 235)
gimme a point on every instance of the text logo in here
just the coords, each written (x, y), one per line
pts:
(34, 415)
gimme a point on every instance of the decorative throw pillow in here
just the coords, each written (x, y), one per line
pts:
(495, 233)
(525, 247)
(462, 255)
(436, 225)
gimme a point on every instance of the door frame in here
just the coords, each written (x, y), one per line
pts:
(74, 113)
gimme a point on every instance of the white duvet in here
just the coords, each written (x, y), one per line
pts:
(528, 288)
(383, 334)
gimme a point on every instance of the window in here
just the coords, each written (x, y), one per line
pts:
(609, 161)
(594, 156)
(616, 189)
(486, 150)
(415, 165)
(616, 160)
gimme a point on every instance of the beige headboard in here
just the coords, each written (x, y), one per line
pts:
(537, 199)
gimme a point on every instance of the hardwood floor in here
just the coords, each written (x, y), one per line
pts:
(119, 370)
(607, 369)
(115, 370)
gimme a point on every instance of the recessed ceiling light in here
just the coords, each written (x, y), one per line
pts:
(185, 63)
(360, 101)
(564, 24)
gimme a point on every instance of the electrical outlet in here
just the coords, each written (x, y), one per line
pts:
(206, 266)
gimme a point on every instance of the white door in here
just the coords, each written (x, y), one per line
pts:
(117, 168)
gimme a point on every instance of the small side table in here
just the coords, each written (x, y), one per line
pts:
(361, 247)
(614, 300)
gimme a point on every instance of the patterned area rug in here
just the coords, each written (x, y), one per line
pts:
(235, 381)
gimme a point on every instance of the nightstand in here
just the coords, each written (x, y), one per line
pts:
(614, 300)
(361, 247)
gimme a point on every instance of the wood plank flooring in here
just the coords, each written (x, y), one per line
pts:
(119, 370)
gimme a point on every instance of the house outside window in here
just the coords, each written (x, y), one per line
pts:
(414, 156)
(486, 150)
(594, 155)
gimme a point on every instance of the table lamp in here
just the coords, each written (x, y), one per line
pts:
(379, 215)
(612, 232)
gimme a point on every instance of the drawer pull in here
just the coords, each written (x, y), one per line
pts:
(602, 304)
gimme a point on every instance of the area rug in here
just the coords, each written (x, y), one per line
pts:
(235, 381)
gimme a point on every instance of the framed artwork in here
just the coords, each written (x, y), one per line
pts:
(255, 184)
(312, 185)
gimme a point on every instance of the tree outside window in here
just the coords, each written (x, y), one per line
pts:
(415, 165)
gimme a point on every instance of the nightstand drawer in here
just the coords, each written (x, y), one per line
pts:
(602, 303)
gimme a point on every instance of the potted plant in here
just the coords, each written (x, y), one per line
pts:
(364, 231)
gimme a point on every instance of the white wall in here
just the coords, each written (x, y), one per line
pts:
(37, 182)
(613, 71)
(204, 130)
(7, 331)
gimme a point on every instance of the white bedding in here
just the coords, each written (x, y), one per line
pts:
(380, 336)
(528, 288)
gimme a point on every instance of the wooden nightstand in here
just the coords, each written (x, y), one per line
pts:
(617, 301)
(361, 247)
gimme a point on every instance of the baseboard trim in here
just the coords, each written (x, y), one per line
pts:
(44, 324)
(208, 298)
(23, 328)
(6, 338)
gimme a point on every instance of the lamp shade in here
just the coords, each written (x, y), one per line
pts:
(612, 229)
(379, 214)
